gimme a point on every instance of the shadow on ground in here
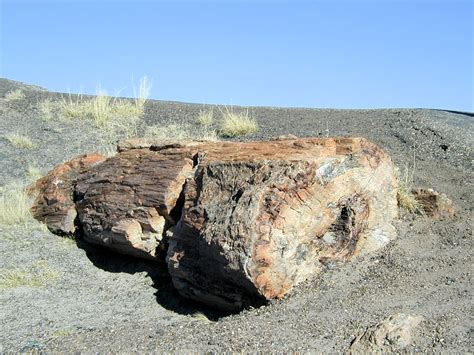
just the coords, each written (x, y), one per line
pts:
(166, 295)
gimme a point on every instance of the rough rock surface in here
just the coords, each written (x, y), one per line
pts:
(434, 204)
(126, 202)
(245, 221)
(259, 218)
(392, 334)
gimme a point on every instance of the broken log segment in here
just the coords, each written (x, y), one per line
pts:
(128, 201)
(244, 221)
(260, 217)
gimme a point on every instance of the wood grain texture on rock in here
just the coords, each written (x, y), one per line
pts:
(127, 202)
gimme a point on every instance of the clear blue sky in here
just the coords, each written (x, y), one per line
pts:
(341, 54)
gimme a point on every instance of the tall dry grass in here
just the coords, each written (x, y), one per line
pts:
(235, 124)
(14, 204)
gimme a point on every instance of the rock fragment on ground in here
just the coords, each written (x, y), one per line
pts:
(393, 334)
(434, 204)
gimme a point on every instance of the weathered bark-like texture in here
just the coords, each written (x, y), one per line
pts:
(261, 217)
(245, 222)
(126, 202)
(54, 204)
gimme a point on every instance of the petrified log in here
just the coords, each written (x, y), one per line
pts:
(244, 221)
(259, 218)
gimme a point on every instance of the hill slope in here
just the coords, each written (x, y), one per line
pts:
(88, 299)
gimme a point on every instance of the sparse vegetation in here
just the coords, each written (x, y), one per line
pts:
(34, 173)
(141, 97)
(115, 118)
(103, 110)
(14, 95)
(200, 317)
(205, 118)
(20, 141)
(14, 204)
(237, 124)
(61, 333)
(38, 274)
(47, 110)
(405, 196)
(407, 200)
(180, 131)
(71, 107)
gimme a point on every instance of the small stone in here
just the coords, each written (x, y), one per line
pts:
(436, 205)
(392, 334)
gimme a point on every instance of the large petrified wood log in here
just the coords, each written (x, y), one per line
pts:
(245, 222)
(259, 218)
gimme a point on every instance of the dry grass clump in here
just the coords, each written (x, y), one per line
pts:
(47, 110)
(71, 107)
(33, 173)
(14, 204)
(405, 196)
(14, 95)
(38, 274)
(237, 124)
(103, 110)
(199, 316)
(143, 94)
(114, 116)
(20, 141)
(407, 200)
(205, 118)
(180, 131)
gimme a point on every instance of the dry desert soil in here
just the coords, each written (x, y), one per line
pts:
(80, 298)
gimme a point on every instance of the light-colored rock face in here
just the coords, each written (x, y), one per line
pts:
(249, 220)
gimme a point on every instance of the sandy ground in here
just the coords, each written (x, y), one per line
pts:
(96, 301)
